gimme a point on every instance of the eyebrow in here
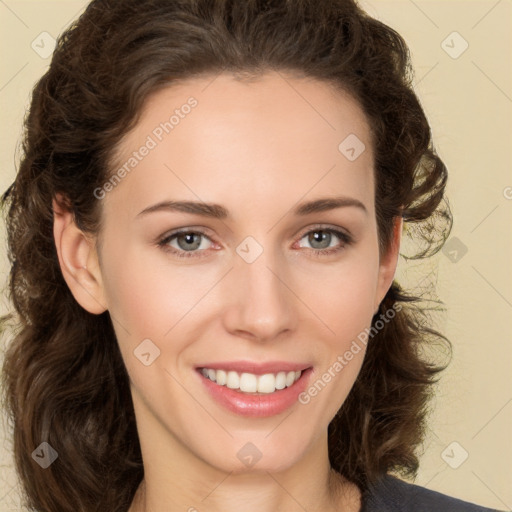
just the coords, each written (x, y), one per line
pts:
(217, 211)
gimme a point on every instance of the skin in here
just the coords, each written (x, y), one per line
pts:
(258, 149)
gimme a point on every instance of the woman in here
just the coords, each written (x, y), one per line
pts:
(183, 343)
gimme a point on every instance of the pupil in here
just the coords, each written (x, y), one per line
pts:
(189, 239)
(321, 236)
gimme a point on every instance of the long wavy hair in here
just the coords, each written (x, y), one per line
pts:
(64, 380)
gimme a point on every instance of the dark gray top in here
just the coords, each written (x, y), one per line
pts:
(391, 494)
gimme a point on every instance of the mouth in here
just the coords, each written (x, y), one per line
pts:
(252, 383)
(264, 391)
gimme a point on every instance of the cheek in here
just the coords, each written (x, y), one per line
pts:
(149, 298)
(346, 308)
(343, 297)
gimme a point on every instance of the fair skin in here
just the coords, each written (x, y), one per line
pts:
(258, 149)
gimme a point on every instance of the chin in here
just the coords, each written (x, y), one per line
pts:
(257, 454)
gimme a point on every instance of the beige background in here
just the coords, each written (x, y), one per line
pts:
(469, 102)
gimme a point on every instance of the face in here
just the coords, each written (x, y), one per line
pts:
(256, 284)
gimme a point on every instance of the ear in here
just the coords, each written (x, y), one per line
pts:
(78, 259)
(388, 263)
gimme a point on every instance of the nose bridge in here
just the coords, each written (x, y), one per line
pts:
(262, 302)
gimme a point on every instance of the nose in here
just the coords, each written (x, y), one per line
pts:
(262, 304)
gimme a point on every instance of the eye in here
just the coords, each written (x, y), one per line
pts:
(187, 243)
(321, 238)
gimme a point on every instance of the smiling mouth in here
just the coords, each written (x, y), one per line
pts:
(250, 383)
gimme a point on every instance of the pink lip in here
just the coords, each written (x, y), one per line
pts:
(256, 368)
(256, 405)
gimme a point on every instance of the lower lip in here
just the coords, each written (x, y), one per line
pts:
(263, 405)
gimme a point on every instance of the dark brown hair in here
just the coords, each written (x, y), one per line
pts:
(64, 381)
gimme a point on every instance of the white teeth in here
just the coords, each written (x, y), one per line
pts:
(248, 383)
(251, 383)
(233, 380)
(267, 383)
(281, 380)
(221, 377)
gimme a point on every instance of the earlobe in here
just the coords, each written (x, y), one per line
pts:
(387, 267)
(77, 259)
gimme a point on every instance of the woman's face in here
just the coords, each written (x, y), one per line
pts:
(259, 284)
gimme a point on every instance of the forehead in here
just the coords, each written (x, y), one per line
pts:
(276, 134)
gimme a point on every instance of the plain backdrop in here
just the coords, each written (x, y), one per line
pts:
(461, 51)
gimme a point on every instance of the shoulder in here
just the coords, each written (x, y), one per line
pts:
(391, 494)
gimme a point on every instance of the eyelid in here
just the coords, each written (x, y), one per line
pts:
(325, 227)
(162, 240)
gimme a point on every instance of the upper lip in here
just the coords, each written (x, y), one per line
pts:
(255, 367)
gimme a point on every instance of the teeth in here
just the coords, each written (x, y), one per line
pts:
(220, 377)
(251, 383)
(232, 381)
(248, 382)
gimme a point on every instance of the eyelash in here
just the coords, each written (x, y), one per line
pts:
(344, 237)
